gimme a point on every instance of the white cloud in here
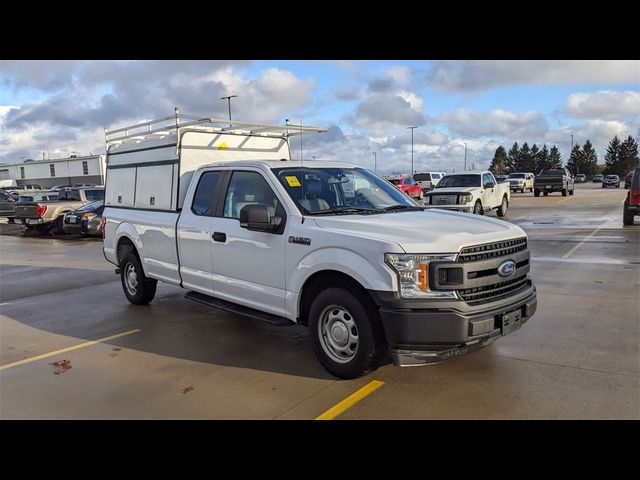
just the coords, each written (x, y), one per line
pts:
(503, 123)
(607, 105)
(478, 75)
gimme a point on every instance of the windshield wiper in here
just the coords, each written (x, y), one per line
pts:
(403, 207)
(346, 211)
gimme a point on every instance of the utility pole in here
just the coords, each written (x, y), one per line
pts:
(412, 129)
(570, 153)
(375, 162)
(228, 98)
(465, 156)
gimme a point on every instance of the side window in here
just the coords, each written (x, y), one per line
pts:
(248, 188)
(203, 200)
(486, 178)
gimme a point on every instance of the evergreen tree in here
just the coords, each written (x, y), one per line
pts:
(628, 156)
(530, 165)
(500, 163)
(555, 159)
(512, 157)
(523, 159)
(589, 160)
(575, 159)
(542, 160)
(612, 156)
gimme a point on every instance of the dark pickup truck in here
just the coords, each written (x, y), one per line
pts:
(554, 180)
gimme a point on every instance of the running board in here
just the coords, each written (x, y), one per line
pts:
(239, 309)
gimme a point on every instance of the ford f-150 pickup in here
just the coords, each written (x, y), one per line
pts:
(224, 213)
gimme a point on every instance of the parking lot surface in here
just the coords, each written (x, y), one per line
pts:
(578, 357)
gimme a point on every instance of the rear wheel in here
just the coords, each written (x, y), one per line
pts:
(502, 209)
(627, 215)
(536, 192)
(346, 333)
(477, 208)
(564, 192)
(572, 190)
(138, 289)
(546, 194)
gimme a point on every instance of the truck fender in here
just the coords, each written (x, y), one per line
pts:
(125, 229)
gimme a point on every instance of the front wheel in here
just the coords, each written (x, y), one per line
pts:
(536, 193)
(347, 337)
(627, 215)
(502, 209)
(477, 208)
(138, 289)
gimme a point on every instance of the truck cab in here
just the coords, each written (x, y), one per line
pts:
(328, 245)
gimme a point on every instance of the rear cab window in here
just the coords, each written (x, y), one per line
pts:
(204, 197)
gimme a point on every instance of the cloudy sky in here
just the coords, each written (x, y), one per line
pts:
(63, 106)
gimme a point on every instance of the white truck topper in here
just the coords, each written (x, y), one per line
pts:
(150, 158)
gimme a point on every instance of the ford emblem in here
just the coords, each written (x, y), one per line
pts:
(507, 268)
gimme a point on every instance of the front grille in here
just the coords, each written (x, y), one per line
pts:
(492, 250)
(492, 291)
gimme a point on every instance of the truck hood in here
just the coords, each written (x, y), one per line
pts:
(431, 231)
(436, 191)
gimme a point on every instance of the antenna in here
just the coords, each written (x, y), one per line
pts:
(301, 166)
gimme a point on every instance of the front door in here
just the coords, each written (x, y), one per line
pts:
(249, 266)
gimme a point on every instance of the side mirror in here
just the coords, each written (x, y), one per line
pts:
(256, 217)
(489, 185)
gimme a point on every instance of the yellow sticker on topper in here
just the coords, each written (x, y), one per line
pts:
(293, 181)
(223, 146)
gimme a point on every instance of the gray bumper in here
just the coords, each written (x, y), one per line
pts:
(457, 208)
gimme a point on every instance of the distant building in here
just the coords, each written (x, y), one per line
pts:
(56, 171)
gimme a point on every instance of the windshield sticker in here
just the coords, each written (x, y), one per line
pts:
(293, 181)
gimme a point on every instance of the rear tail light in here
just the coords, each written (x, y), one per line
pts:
(634, 196)
(41, 210)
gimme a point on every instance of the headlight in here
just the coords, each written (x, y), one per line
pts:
(465, 198)
(413, 274)
(89, 215)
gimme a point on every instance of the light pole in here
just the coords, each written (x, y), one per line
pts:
(228, 98)
(571, 153)
(412, 129)
(375, 162)
(465, 156)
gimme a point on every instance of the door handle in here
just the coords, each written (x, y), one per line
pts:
(219, 237)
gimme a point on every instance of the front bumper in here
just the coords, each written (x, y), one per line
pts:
(457, 208)
(425, 332)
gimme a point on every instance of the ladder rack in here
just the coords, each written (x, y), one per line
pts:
(173, 123)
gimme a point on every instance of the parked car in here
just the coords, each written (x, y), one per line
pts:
(408, 186)
(631, 206)
(521, 181)
(372, 276)
(7, 206)
(611, 181)
(580, 178)
(554, 180)
(85, 220)
(60, 187)
(470, 192)
(628, 179)
(47, 214)
(428, 180)
(597, 178)
(501, 178)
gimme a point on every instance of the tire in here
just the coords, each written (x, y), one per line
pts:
(572, 190)
(338, 320)
(522, 190)
(56, 227)
(502, 209)
(546, 194)
(536, 192)
(603, 185)
(564, 192)
(627, 215)
(477, 208)
(138, 289)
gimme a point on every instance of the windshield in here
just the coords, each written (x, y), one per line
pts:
(459, 181)
(423, 177)
(91, 206)
(516, 175)
(341, 190)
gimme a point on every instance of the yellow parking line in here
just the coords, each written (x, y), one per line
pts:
(564, 200)
(68, 349)
(573, 250)
(350, 401)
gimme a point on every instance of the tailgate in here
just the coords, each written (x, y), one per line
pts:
(549, 180)
(26, 210)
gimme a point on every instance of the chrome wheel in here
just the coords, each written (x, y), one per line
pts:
(338, 334)
(131, 279)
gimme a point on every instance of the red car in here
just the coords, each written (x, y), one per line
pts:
(408, 186)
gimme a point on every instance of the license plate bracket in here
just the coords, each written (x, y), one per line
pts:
(547, 186)
(511, 321)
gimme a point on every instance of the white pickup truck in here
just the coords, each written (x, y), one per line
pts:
(477, 192)
(224, 213)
